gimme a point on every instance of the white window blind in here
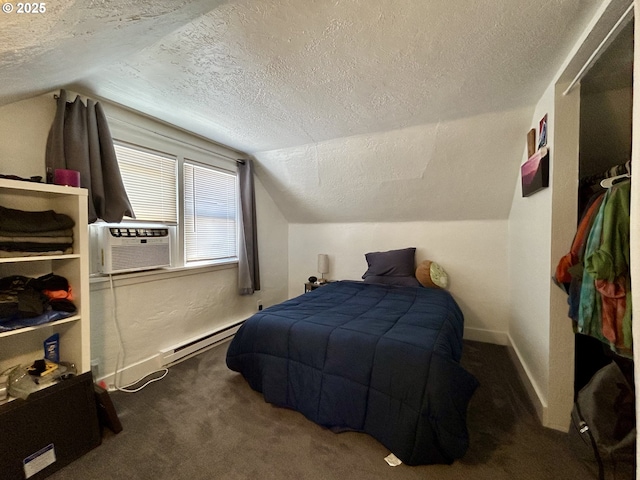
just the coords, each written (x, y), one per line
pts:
(150, 181)
(210, 214)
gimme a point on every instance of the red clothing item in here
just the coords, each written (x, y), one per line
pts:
(59, 294)
(614, 305)
(579, 243)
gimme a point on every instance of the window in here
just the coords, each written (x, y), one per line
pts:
(210, 210)
(202, 200)
(150, 181)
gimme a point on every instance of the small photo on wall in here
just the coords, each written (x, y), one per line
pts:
(542, 142)
(531, 142)
(535, 172)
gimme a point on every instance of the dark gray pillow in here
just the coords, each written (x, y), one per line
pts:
(395, 263)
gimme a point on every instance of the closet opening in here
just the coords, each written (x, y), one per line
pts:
(606, 94)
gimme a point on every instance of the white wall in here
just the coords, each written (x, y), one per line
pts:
(24, 127)
(449, 170)
(541, 228)
(605, 129)
(474, 254)
(529, 261)
(159, 310)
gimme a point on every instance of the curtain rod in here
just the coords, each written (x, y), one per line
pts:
(608, 39)
(221, 155)
(225, 157)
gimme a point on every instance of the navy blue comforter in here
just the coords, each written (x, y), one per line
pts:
(371, 358)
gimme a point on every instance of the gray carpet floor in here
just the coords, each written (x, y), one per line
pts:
(204, 422)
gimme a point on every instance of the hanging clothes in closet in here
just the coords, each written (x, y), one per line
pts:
(595, 273)
(591, 185)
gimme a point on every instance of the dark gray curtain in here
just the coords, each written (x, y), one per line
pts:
(248, 268)
(80, 140)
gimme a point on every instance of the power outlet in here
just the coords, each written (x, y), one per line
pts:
(259, 305)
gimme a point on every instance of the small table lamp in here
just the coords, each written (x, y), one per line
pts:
(323, 266)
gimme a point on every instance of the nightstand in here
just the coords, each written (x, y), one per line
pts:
(312, 286)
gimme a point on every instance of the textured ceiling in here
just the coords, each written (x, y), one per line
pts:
(41, 52)
(411, 94)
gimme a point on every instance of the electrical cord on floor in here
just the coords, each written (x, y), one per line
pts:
(126, 388)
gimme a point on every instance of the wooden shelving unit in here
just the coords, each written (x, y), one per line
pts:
(23, 346)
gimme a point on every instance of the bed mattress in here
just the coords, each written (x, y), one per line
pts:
(378, 359)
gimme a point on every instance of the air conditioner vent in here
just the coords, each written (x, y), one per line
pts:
(127, 248)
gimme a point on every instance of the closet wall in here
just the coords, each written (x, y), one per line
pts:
(606, 96)
(606, 107)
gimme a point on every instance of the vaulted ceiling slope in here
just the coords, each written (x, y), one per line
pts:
(356, 110)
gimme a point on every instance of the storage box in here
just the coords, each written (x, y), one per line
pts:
(49, 430)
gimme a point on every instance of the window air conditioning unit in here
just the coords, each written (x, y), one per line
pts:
(130, 248)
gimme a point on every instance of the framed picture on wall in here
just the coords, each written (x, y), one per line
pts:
(542, 137)
(535, 172)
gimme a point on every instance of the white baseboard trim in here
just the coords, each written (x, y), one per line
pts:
(531, 387)
(536, 397)
(486, 336)
(132, 373)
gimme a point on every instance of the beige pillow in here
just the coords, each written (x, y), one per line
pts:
(432, 275)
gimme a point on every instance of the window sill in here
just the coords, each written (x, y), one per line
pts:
(101, 281)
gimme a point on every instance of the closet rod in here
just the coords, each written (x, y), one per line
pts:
(608, 39)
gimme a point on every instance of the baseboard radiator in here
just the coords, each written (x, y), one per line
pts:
(174, 354)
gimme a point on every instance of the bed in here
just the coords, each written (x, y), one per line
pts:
(366, 357)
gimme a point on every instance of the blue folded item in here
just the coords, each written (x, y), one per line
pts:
(15, 322)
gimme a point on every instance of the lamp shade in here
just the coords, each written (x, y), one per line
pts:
(323, 263)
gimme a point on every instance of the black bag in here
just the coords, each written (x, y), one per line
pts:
(603, 432)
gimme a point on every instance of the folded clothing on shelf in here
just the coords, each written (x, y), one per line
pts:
(25, 233)
(26, 302)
